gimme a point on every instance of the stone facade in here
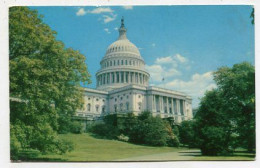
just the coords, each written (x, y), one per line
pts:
(123, 86)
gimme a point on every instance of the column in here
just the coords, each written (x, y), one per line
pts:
(110, 77)
(115, 77)
(129, 77)
(124, 77)
(161, 104)
(154, 104)
(106, 78)
(101, 79)
(167, 105)
(119, 77)
(178, 106)
(134, 79)
(172, 106)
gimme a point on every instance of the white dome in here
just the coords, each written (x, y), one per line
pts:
(122, 45)
(122, 65)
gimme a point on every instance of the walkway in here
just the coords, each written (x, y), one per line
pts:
(170, 156)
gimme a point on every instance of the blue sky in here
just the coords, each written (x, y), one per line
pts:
(183, 44)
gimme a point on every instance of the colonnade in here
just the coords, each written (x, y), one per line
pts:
(122, 77)
(168, 105)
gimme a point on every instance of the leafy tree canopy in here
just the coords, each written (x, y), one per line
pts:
(226, 116)
(45, 80)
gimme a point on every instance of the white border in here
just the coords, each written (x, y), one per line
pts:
(4, 83)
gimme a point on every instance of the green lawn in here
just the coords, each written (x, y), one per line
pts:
(88, 148)
(238, 155)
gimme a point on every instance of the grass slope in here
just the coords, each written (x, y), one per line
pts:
(88, 148)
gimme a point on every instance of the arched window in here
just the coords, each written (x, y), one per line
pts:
(89, 107)
(127, 106)
(121, 107)
(139, 105)
(103, 109)
(115, 107)
(122, 62)
(125, 62)
(97, 108)
(110, 63)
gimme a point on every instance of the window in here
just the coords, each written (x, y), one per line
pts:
(121, 98)
(103, 109)
(125, 62)
(89, 98)
(114, 62)
(121, 107)
(170, 110)
(127, 106)
(117, 62)
(89, 107)
(103, 100)
(115, 99)
(139, 105)
(139, 96)
(115, 107)
(97, 108)
(122, 62)
(127, 96)
(165, 109)
(110, 63)
(96, 99)
(130, 62)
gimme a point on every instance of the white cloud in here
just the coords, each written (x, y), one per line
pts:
(116, 28)
(158, 72)
(81, 12)
(100, 10)
(128, 7)
(180, 58)
(173, 60)
(195, 87)
(107, 30)
(166, 60)
(153, 44)
(107, 18)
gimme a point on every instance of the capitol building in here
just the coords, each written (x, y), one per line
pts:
(122, 86)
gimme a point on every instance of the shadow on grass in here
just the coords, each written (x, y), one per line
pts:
(236, 154)
(40, 160)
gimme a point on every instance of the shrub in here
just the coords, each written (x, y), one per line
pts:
(149, 130)
(76, 127)
(122, 137)
(28, 154)
(105, 131)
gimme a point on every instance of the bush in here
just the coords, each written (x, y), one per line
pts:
(187, 134)
(28, 154)
(122, 137)
(105, 131)
(149, 130)
(76, 127)
(172, 139)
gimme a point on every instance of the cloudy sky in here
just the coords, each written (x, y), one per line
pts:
(182, 44)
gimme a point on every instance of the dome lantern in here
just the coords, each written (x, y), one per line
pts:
(122, 30)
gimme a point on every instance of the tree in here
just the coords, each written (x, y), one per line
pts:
(149, 130)
(226, 115)
(187, 131)
(215, 128)
(237, 88)
(45, 80)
